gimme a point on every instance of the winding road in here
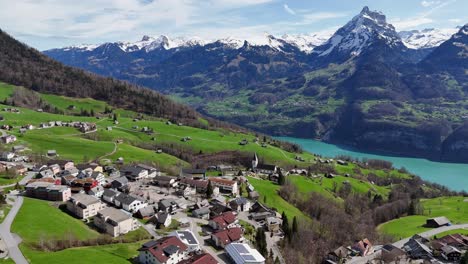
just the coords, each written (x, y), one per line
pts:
(8, 238)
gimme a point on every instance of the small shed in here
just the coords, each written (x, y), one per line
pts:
(437, 222)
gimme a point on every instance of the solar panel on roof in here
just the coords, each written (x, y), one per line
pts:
(241, 248)
(248, 257)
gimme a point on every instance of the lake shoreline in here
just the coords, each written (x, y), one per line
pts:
(449, 174)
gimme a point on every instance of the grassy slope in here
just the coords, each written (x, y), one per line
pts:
(38, 218)
(454, 208)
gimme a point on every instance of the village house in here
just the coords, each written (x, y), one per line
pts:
(18, 148)
(8, 139)
(363, 247)
(223, 238)
(99, 177)
(46, 173)
(259, 212)
(166, 250)
(48, 191)
(55, 168)
(19, 169)
(260, 168)
(51, 153)
(64, 164)
(416, 248)
(120, 183)
(451, 254)
(129, 203)
(109, 195)
(165, 181)
(96, 191)
(200, 185)
(223, 221)
(162, 219)
(134, 173)
(193, 173)
(224, 185)
(338, 255)
(241, 253)
(273, 224)
(152, 171)
(454, 240)
(8, 156)
(186, 191)
(202, 213)
(188, 238)
(392, 254)
(204, 258)
(115, 222)
(167, 205)
(146, 212)
(84, 206)
(240, 204)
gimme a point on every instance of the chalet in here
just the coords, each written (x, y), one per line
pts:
(166, 250)
(240, 204)
(115, 222)
(224, 185)
(363, 247)
(188, 238)
(437, 222)
(223, 221)
(451, 254)
(193, 173)
(416, 248)
(223, 238)
(202, 213)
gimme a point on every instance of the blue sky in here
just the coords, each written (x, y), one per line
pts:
(46, 24)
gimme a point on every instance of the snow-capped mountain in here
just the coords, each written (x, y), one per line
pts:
(361, 32)
(426, 38)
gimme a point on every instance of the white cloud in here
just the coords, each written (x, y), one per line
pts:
(411, 23)
(426, 3)
(289, 10)
(455, 20)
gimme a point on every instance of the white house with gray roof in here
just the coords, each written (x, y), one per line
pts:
(84, 206)
(115, 222)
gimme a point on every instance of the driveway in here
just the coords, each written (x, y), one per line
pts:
(8, 237)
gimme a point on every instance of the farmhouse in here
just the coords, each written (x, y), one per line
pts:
(115, 222)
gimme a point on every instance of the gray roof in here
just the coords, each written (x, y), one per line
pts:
(114, 214)
(442, 220)
(162, 217)
(167, 202)
(110, 193)
(240, 201)
(122, 180)
(187, 236)
(201, 211)
(126, 199)
(147, 211)
(84, 199)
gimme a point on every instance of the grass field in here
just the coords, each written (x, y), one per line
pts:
(62, 103)
(454, 208)
(455, 231)
(39, 219)
(115, 254)
(270, 190)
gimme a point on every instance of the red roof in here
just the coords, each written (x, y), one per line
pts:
(157, 249)
(222, 181)
(224, 219)
(195, 183)
(230, 235)
(200, 259)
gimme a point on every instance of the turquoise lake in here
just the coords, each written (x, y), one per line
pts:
(452, 175)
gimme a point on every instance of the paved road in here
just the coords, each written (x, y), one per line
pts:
(150, 229)
(7, 236)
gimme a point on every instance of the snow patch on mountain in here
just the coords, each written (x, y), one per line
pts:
(426, 38)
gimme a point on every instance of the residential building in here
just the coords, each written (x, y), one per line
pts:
(165, 181)
(96, 191)
(7, 139)
(392, 254)
(48, 191)
(451, 254)
(241, 253)
(202, 213)
(99, 177)
(129, 203)
(188, 238)
(363, 247)
(84, 206)
(109, 195)
(146, 212)
(162, 219)
(204, 258)
(193, 173)
(115, 222)
(223, 221)
(167, 250)
(273, 224)
(200, 185)
(120, 183)
(167, 205)
(416, 248)
(223, 238)
(240, 204)
(224, 185)
(134, 173)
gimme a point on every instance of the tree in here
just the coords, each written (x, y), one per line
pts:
(91, 113)
(285, 224)
(209, 190)
(260, 242)
(281, 178)
(464, 259)
(264, 199)
(294, 226)
(116, 117)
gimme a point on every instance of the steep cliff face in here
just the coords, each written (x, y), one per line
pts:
(455, 147)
